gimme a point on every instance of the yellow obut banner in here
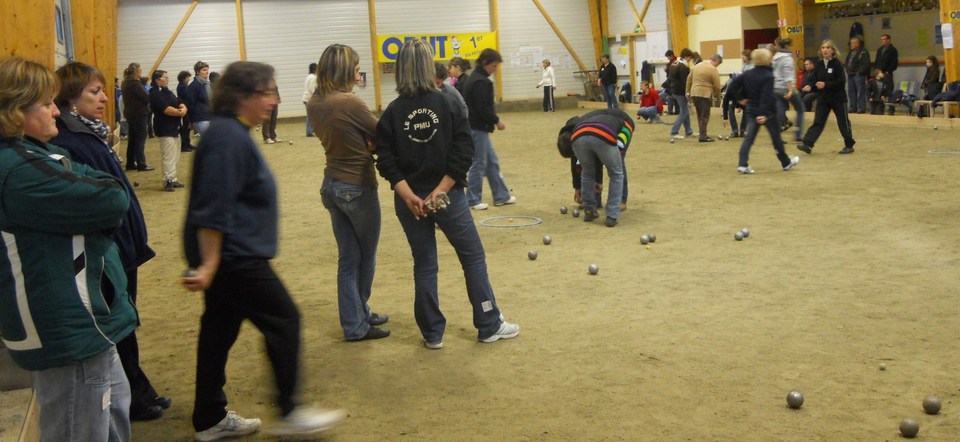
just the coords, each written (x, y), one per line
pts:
(445, 46)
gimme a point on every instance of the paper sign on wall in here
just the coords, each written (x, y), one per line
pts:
(947, 30)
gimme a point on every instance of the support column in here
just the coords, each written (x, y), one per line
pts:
(950, 13)
(677, 16)
(791, 12)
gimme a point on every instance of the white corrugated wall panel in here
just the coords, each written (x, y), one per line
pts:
(145, 27)
(623, 21)
(430, 17)
(291, 34)
(524, 33)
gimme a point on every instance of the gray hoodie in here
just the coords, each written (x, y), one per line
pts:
(784, 70)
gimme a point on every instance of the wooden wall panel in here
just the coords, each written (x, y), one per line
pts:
(677, 18)
(28, 30)
(95, 40)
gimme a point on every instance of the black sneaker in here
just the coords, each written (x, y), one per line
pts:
(611, 222)
(373, 333)
(150, 413)
(590, 215)
(168, 186)
(845, 150)
(706, 140)
(377, 319)
(805, 148)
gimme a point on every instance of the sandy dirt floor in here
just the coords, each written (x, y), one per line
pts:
(853, 262)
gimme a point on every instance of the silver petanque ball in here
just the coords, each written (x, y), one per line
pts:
(547, 240)
(189, 273)
(909, 428)
(746, 232)
(593, 269)
(671, 141)
(738, 236)
(563, 210)
(653, 238)
(532, 255)
(576, 213)
(644, 239)
(931, 405)
(291, 142)
(794, 399)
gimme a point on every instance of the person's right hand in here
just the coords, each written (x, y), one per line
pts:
(501, 125)
(576, 196)
(200, 280)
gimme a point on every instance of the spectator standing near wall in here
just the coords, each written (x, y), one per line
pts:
(887, 57)
(608, 81)
(703, 84)
(858, 70)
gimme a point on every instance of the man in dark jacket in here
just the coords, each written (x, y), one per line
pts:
(478, 93)
(608, 81)
(198, 101)
(829, 79)
(756, 86)
(183, 82)
(858, 70)
(887, 57)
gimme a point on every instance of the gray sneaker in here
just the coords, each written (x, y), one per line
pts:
(746, 170)
(232, 425)
(793, 162)
(307, 420)
(506, 331)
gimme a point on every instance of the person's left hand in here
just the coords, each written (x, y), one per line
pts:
(761, 120)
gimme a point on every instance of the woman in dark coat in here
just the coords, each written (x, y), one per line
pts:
(136, 109)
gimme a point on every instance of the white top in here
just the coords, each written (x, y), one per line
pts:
(309, 85)
(548, 78)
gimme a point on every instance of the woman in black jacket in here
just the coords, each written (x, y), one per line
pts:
(82, 101)
(931, 81)
(830, 81)
(136, 107)
(168, 110)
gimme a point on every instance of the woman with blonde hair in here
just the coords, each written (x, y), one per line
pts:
(424, 149)
(62, 285)
(346, 127)
(549, 83)
(830, 82)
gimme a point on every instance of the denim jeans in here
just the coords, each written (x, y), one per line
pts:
(457, 225)
(86, 401)
(683, 118)
(649, 112)
(201, 127)
(773, 127)
(355, 215)
(485, 164)
(783, 106)
(857, 93)
(610, 91)
(309, 128)
(589, 149)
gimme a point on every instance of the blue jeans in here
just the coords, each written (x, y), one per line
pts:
(783, 105)
(857, 93)
(86, 401)
(485, 164)
(589, 149)
(355, 215)
(773, 127)
(457, 225)
(683, 118)
(201, 127)
(649, 112)
(610, 91)
(741, 128)
(309, 128)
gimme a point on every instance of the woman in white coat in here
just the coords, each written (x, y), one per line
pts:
(549, 83)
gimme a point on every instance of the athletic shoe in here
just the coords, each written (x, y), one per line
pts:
(805, 148)
(372, 333)
(746, 170)
(793, 162)
(232, 425)
(377, 319)
(168, 186)
(590, 215)
(706, 140)
(512, 200)
(678, 136)
(307, 420)
(433, 345)
(480, 206)
(611, 222)
(277, 140)
(846, 150)
(269, 141)
(506, 331)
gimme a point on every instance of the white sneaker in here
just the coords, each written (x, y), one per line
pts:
(793, 162)
(232, 425)
(480, 206)
(307, 420)
(269, 141)
(506, 331)
(277, 140)
(512, 200)
(678, 136)
(747, 170)
(433, 345)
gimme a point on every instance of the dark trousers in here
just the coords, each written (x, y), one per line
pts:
(824, 107)
(185, 133)
(247, 290)
(142, 393)
(876, 107)
(702, 106)
(136, 142)
(269, 129)
(548, 99)
(773, 127)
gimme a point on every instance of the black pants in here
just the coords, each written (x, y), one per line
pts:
(185, 134)
(136, 142)
(248, 290)
(839, 109)
(269, 129)
(548, 104)
(142, 393)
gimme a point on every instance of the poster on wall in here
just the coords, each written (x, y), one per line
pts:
(445, 46)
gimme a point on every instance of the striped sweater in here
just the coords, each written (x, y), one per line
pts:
(611, 125)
